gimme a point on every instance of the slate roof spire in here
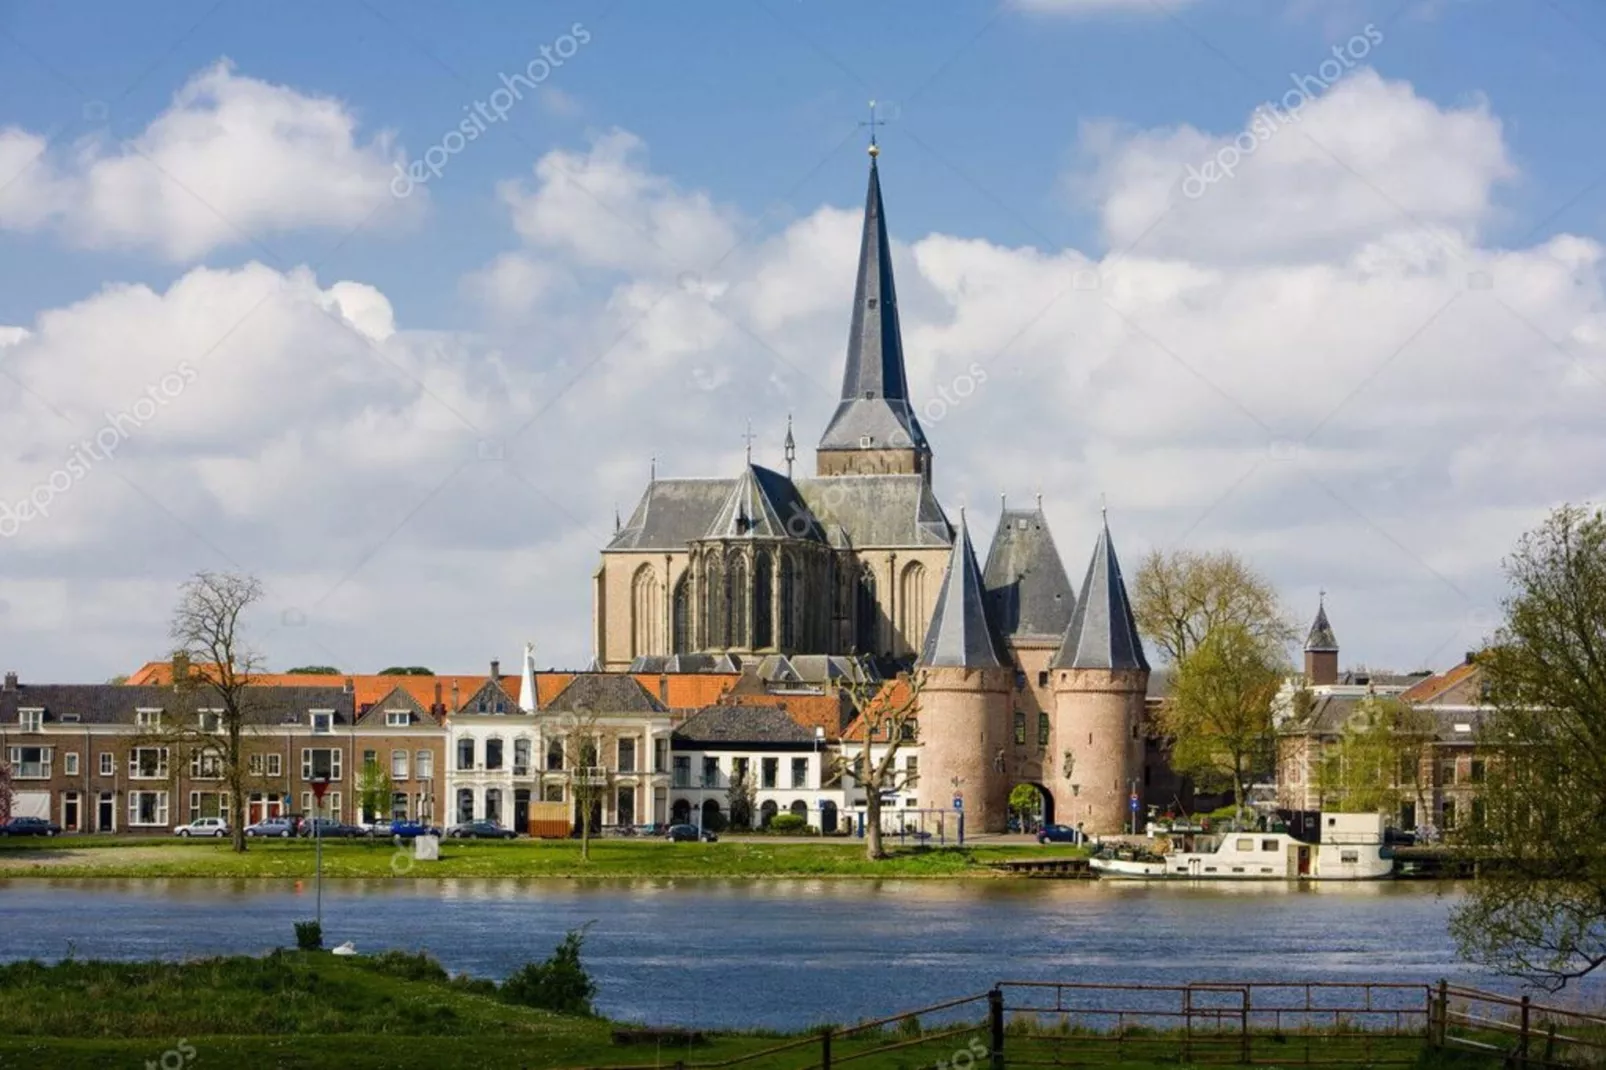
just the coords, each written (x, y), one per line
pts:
(960, 635)
(874, 412)
(1029, 593)
(1102, 633)
(1321, 639)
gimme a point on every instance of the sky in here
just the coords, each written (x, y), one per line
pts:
(395, 305)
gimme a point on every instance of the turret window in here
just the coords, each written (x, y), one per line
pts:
(1042, 731)
(1020, 728)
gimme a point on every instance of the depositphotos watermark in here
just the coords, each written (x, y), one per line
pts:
(102, 446)
(1269, 118)
(177, 1057)
(493, 109)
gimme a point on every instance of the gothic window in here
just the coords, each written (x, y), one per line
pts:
(865, 612)
(736, 602)
(1042, 731)
(714, 601)
(912, 605)
(682, 615)
(646, 612)
(788, 602)
(763, 602)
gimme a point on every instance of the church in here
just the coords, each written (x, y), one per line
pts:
(859, 563)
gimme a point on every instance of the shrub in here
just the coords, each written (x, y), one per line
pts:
(788, 823)
(309, 936)
(406, 966)
(559, 984)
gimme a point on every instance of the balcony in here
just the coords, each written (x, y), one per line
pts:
(521, 770)
(591, 774)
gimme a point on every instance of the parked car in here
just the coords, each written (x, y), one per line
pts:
(29, 826)
(375, 829)
(282, 827)
(203, 826)
(480, 830)
(328, 828)
(1059, 834)
(688, 834)
(409, 830)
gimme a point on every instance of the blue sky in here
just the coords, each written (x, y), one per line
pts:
(1022, 140)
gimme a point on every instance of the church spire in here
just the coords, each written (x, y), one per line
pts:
(874, 414)
(960, 635)
(1103, 633)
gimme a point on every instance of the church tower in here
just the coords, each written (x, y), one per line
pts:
(1321, 650)
(1100, 677)
(874, 430)
(964, 700)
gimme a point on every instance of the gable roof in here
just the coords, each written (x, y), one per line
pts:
(671, 514)
(1028, 591)
(1102, 632)
(398, 698)
(490, 692)
(729, 724)
(118, 703)
(604, 693)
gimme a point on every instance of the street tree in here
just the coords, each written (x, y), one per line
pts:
(374, 790)
(1541, 913)
(1181, 596)
(888, 716)
(741, 795)
(209, 636)
(1219, 712)
(585, 745)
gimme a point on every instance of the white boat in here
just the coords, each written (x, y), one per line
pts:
(1343, 847)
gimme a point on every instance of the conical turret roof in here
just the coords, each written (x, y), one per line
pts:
(1103, 633)
(1028, 591)
(960, 635)
(1321, 639)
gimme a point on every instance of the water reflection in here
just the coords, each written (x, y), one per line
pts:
(777, 953)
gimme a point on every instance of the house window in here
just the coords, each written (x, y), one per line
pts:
(1447, 772)
(206, 766)
(398, 765)
(493, 753)
(254, 765)
(1476, 776)
(276, 765)
(770, 771)
(147, 763)
(710, 772)
(554, 756)
(521, 757)
(30, 719)
(147, 808)
(209, 720)
(501, 706)
(398, 805)
(660, 754)
(320, 763)
(69, 763)
(682, 771)
(1042, 731)
(627, 755)
(369, 758)
(30, 763)
(1447, 821)
(465, 752)
(148, 718)
(552, 792)
(911, 770)
(108, 763)
(739, 769)
(397, 718)
(1020, 728)
(800, 772)
(424, 761)
(333, 799)
(323, 722)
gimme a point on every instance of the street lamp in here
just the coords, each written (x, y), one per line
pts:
(319, 786)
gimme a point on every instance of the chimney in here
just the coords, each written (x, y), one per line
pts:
(181, 667)
(496, 669)
(440, 707)
(1472, 656)
(454, 695)
(351, 685)
(11, 681)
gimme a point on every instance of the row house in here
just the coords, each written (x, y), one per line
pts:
(741, 765)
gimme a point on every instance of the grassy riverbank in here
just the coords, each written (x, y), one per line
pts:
(96, 856)
(310, 1011)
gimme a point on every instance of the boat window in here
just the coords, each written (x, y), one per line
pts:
(1349, 857)
(1245, 845)
(1268, 845)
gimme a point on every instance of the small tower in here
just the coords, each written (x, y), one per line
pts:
(964, 700)
(1100, 677)
(1321, 649)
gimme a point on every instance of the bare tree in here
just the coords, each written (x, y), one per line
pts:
(888, 715)
(207, 632)
(589, 776)
(6, 789)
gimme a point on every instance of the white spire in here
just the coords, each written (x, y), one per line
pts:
(527, 697)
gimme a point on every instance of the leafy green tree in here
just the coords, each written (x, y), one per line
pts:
(1026, 802)
(314, 670)
(1374, 766)
(374, 789)
(1180, 597)
(406, 670)
(1219, 712)
(560, 984)
(1541, 913)
(740, 797)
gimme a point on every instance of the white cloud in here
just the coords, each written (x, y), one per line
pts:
(232, 159)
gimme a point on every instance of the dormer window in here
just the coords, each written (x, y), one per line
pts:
(148, 718)
(210, 720)
(397, 718)
(31, 720)
(501, 707)
(323, 722)
(69, 718)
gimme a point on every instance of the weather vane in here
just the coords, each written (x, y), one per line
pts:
(875, 150)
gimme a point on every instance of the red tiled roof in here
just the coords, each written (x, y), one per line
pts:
(1434, 686)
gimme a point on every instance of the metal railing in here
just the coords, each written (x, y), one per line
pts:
(1516, 1029)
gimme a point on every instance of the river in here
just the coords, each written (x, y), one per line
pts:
(783, 954)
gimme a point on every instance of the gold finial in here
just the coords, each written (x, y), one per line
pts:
(874, 150)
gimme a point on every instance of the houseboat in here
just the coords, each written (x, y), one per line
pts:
(1304, 846)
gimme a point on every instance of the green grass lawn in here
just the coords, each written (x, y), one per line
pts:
(289, 1009)
(109, 856)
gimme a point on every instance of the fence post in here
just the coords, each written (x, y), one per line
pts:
(825, 1048)
(1522, 1038)
(1441, 1014)
(995, 1020)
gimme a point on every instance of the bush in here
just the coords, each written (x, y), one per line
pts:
(559, 984)
(407, 967)
(788, 823)
(309, 936)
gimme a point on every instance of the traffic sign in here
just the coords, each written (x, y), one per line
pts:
(959, 802)
(1133, 802)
